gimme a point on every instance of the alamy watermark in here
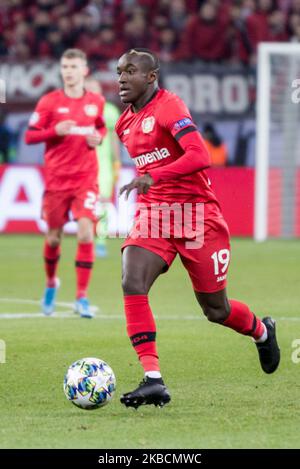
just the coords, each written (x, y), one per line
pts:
(2, 351)
(296, 353)
(2, 91)
(295, 96)
(164, 220)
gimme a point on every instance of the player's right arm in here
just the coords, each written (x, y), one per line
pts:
(41, 129)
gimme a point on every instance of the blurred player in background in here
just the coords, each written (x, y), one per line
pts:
(70, 122)
(171, 159)
(110, 164)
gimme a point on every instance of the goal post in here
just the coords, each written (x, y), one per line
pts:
(277, 173)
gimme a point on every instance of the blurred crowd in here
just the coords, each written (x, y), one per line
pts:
(208, 30)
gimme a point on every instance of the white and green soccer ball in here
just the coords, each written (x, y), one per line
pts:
(89, 383)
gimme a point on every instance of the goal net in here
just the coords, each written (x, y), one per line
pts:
(277, 173)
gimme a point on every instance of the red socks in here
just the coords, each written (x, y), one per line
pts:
(51, 258)
(141, 330)
(141, 327)
(243, 321)
(84, 263)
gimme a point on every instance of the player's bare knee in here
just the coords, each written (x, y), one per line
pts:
(133, 286)
(84, 238)
(53, 239)
(85, 233)
(213, 314)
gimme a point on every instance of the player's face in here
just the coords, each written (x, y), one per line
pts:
(73, 71)
(134, 79)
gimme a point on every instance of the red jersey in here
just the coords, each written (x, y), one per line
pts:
(153, 136)
(70, 163)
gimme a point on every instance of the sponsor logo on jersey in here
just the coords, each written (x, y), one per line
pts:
(63, 110)
(150, 157)
(148, 124)
(183, 123)
(126, 132)
(91, 110)
(34, 118)
(81, 130)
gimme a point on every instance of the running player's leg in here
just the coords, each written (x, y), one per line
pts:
(208, 268)
(237, 316)
(84, 263)
(54, 212)
(52, 254)
(84, 207)
(140, 268)
(51, 259)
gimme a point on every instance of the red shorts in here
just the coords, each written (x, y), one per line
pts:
(205, 256)
(58, 205)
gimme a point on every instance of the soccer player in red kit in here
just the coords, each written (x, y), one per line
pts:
(171, 159)
(69, 121)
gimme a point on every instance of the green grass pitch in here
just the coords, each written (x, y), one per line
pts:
(220, 396)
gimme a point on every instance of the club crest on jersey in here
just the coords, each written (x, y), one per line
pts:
(91, 110)
(148, 124)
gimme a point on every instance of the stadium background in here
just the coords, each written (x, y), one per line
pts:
(208, 52)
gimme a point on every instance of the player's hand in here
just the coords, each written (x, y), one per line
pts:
(63, 127)
(142, 184)
(94, 139)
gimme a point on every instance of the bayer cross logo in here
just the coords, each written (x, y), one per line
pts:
(2, 91)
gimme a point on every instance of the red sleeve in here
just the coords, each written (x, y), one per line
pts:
(195, 158)
(177, 120)
(38, 129)
(100, 126)
(102, 131)
(100, 122)
(38, 136)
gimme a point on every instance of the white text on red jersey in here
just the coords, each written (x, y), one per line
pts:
(156, 155)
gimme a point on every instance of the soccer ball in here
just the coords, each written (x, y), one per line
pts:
(89, 383)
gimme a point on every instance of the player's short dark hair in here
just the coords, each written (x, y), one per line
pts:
(74, 54)
(149, 57)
